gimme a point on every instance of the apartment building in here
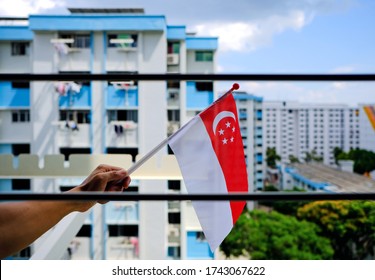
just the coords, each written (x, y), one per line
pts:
(295, 129)
(106, 117)
(250, 113)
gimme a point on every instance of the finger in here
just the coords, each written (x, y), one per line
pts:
(126, 182)
(107, 167)
(114, 175)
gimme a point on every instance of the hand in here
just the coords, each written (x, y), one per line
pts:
(104, 178)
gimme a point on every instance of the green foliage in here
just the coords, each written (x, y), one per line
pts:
(336, 152)
(293, 159)
(364, 161)
(270, 188)
(313, 156)
(274, 236)
(272, 157)
(350, 225)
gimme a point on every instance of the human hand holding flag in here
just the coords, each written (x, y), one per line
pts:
(210, 154)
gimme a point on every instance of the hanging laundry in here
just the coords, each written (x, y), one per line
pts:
(61, 48)
(74, 87)
(60, 88)
(74, 126)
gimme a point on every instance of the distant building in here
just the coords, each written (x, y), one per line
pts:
(323, 178)
(296, 129)
(250, 113)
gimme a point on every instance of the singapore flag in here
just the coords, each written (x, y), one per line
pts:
(210, 154)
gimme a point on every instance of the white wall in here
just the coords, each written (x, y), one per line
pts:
(13, 64)
(21, 131)
(152, 130)
(204, 67)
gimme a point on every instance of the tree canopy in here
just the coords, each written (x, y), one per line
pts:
(274, 236)
(364, 161)
(350, 225)
(272, 157)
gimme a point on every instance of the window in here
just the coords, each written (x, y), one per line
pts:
(18, 85)
(174, 47)
(69, 151)
(20, 48)
(123, 115)
(200, 236)
(174, 115)
(80, 41)
(122, 41)
(204, 56)
(21, 184)
(21, 116)
(77, 116)
(204, 86)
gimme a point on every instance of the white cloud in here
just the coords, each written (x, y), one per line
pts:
(352, 94)
(248, 36)
(23, 8)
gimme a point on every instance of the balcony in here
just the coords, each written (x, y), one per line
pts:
(174, 238)
(121, 95)
(173, 98)
(122, 60)
(122, 212)
(122, 134)
(73, 135)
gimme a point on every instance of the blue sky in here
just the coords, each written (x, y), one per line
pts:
(268, 36)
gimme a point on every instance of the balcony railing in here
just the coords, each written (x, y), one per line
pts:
(81, 165)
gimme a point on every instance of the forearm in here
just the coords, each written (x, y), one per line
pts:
(21, 223)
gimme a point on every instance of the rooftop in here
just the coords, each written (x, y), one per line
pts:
(344, 181)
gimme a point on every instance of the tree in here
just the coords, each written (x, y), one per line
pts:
(272, 157)
(293, 159)
(364, 161)
(274, 236)
(350, 225)
(313, 156)
(336, 152)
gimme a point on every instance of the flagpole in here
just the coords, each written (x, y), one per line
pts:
(146, 157)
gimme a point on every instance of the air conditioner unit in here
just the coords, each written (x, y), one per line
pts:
(172, 59)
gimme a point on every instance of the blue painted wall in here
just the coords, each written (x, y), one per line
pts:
(13, 97)
(197, 249)
(176, 32)
(197, 99)
(121, 98)
(81, 100)
(15, 33)
(94, 22)
(201, 43)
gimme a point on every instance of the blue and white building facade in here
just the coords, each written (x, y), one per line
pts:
(250, 113)
(96, 117)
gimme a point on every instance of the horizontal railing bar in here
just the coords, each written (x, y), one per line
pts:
(186, 77)
(203, 197)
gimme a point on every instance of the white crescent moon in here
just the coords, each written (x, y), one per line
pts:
(221, 116)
